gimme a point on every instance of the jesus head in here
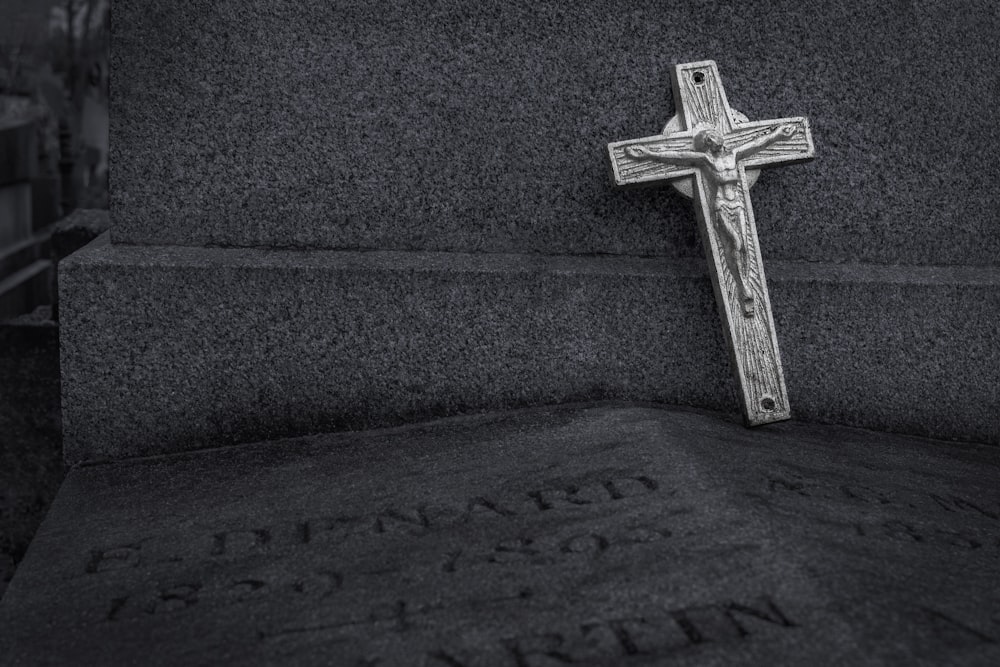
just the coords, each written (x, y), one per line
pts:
(709, 140)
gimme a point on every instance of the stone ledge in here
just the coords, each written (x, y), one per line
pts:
(393, 260)
(168, 348)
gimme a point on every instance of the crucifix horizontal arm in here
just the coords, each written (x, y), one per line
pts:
(703, 159)
(684, 158)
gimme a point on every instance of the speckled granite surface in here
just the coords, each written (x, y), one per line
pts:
(172, 348)
(585, 535)
(481, 126)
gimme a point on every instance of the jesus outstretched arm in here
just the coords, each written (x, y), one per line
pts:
(670, 157)
(749, 148)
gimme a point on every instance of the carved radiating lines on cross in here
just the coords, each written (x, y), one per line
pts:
(716, 146)
(656, 170)
(701, 94)
(783, 151)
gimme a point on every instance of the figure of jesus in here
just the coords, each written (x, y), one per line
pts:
(728, 205)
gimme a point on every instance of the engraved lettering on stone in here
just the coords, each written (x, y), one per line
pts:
(115, 558)
(451, 559)
(548, 499)
(239, 541)
(174, 598)
(534, 650)
(319, 585)
(658, 634)
(310, 587)
(414, 521)
(481, 504)
(815, 485)
(952, 632)
(691, 631)
(588, 543)
(399, 616)
(517, 549)
(442, 657)
(716, 146)
(743, 617)
(553, 549)
(246, 588)
(865, 494)
(953, 503)
(116, 606)
(171, 599)
(304, 532)
(895, 529)
(939, 536)
(329, 531)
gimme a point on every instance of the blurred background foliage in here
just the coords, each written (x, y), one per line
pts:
(54, 70)
(54, 92)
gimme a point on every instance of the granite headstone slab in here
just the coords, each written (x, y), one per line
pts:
(574, 536)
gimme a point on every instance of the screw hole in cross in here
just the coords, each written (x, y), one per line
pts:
(698, 77)
(767, 403)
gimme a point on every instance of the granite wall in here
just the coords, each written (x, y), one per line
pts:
(351, 214)
(481, 126)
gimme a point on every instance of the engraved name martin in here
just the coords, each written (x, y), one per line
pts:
(721, 151)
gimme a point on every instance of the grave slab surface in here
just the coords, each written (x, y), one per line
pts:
(600, 534)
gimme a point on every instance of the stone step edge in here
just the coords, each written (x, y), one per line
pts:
(102, 252)
(467, 421)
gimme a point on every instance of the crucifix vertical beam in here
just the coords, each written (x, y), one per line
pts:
(713, 154)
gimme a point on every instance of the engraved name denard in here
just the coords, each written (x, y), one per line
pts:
(291, 583)
(719, 149)
(227, 542)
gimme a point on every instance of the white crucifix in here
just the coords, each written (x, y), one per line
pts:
(713, 153)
